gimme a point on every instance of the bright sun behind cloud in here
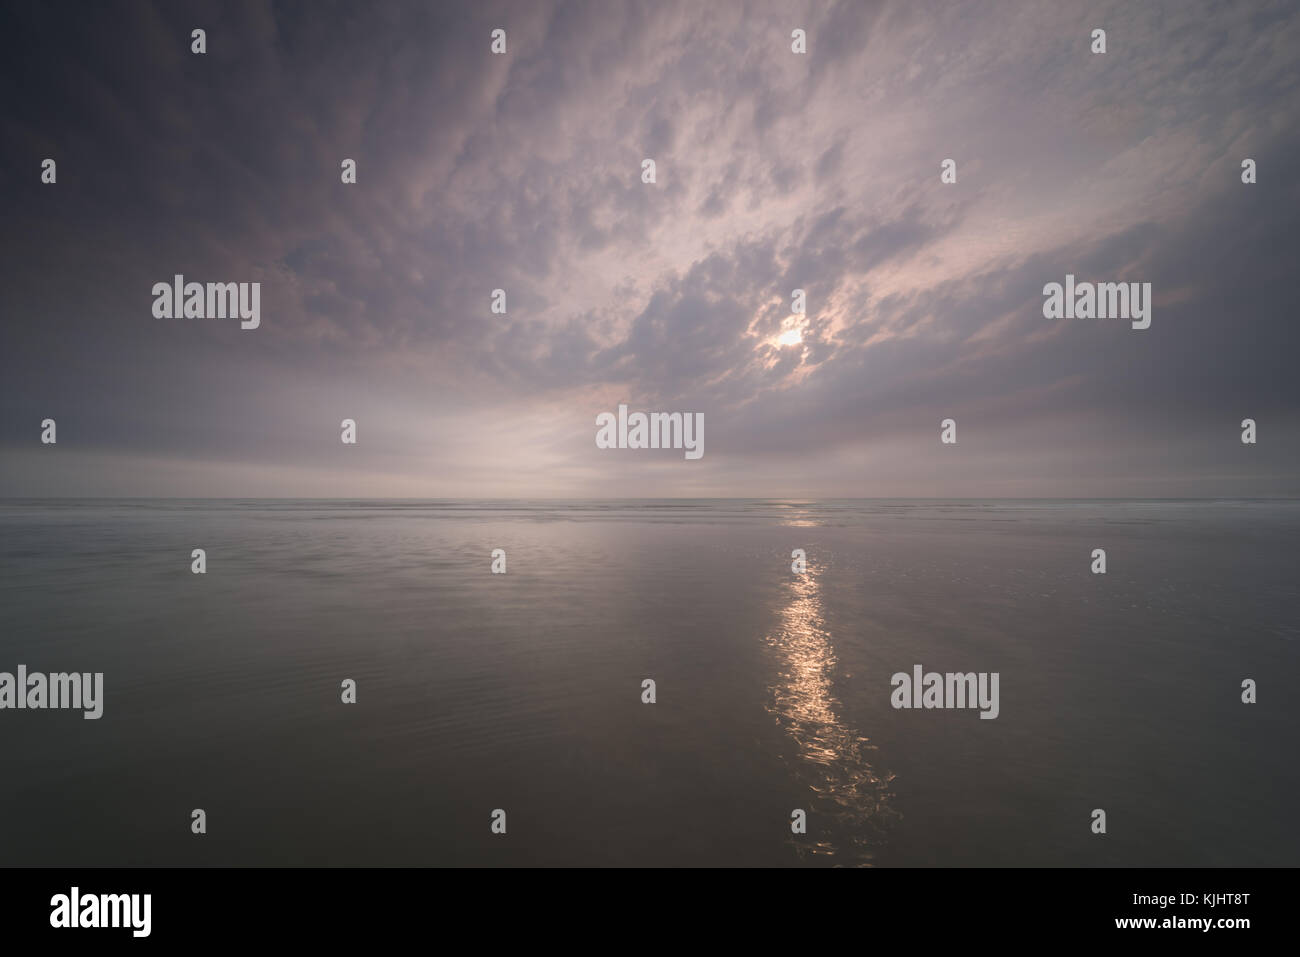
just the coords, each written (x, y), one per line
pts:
(791, 337)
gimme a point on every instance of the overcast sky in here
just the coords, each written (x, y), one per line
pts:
(775, 171)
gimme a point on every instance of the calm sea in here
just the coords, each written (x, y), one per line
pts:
(523, 691)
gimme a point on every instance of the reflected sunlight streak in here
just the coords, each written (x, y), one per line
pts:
(830, 755)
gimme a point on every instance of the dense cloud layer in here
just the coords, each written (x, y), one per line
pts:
(775, 171)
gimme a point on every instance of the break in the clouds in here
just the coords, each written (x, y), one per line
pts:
(775, 171)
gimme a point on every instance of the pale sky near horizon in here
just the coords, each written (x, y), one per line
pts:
(775, 171)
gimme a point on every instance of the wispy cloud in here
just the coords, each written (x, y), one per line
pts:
(775, 172)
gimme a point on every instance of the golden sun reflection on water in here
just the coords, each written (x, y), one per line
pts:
(798, 517)
(850, 813)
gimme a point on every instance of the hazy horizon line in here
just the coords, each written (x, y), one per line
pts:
(596, 498)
